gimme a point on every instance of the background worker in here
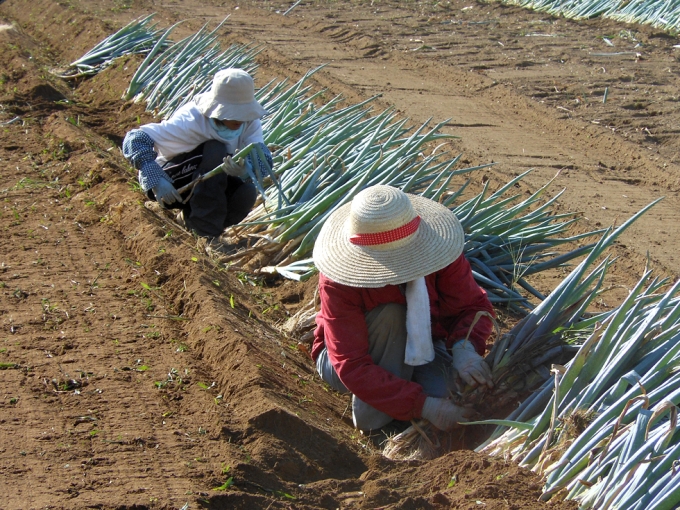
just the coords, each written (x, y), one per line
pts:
(400, 309)
(195, 140)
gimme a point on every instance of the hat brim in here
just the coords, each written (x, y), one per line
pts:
(213, 109)
(438, 241)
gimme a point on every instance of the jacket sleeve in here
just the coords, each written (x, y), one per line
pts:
(257, 162)
(185, 130)
(252, 133)
(346, 339)
(138, 149)
(460, 299)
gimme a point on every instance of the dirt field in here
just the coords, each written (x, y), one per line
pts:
(136, 373)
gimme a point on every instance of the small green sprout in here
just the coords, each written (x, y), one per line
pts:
(225, 485)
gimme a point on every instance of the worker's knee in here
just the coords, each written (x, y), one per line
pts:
(366, 417)
(240, 202)
(213, 154)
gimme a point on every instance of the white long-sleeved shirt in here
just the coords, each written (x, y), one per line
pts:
(185, 130)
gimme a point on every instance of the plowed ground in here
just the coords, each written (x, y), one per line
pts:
(139, 373)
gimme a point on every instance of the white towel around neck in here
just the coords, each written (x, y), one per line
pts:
(419, 348)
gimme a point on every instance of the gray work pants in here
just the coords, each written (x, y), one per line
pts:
(387, 346)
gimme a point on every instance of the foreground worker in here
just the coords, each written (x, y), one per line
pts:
(197, 138)
(399, 309)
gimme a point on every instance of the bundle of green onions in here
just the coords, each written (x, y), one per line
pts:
(519, 361)
(172, 74)
(508, 239)
(357, 151)
(604, 432)
(138, 36)
(540, 336)
(663, 15)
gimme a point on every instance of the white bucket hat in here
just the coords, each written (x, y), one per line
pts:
(231, 97)
(385, 236)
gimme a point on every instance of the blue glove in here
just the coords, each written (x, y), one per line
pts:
(166, 194)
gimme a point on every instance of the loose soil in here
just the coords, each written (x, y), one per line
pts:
(138, 373)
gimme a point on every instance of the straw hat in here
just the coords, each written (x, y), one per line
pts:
(231, 97)
(385, 236)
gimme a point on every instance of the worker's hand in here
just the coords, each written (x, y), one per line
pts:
(444, 414)
(235, 169)
(166, 194)
(470, 366)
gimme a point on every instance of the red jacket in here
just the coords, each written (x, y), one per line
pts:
(455, 298)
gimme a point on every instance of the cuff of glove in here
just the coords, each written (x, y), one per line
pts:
(150, 175)
(429, 407)
(463, 345)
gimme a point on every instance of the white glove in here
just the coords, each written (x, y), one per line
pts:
(235, 169)
(444, 414)
(165, 193)
(470, 366)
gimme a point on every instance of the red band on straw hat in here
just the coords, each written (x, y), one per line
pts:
(373, 238)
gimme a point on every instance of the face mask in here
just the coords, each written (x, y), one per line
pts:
(224, 132)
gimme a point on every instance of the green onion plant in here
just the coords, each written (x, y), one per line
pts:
(138, 36)
(604, 432)
(662, 15)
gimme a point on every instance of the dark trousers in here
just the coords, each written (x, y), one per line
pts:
(215, 203)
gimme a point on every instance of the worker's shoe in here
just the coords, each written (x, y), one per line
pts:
(156, 208)
(182, 219)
